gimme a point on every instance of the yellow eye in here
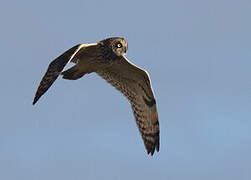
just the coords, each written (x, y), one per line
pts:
(119, 45)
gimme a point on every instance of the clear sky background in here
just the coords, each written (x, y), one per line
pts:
(198, 54)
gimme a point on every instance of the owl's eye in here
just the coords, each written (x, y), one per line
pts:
(119, 45)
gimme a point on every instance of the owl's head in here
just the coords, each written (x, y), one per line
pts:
(117, 45)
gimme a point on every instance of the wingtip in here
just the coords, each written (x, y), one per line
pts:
(157, 146)
(151, 150)
(34, 101)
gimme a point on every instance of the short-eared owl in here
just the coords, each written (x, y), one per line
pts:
(107, 59)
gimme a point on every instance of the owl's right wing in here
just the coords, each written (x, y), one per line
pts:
(135, 84)
(55, 68)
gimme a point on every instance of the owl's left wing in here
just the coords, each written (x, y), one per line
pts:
(54, 70)
(135, 84)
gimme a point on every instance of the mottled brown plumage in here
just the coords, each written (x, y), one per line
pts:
(107, 59)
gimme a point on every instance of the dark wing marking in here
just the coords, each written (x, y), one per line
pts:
(54, 70)
(134, 83)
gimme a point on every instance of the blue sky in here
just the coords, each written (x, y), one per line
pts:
(198, 55)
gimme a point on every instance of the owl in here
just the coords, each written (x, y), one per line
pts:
(107, 59)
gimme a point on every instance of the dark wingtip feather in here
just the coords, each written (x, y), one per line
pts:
(151, 147)
(34, 101)
(150, 151)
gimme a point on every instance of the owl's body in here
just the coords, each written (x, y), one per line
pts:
(107, 59)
